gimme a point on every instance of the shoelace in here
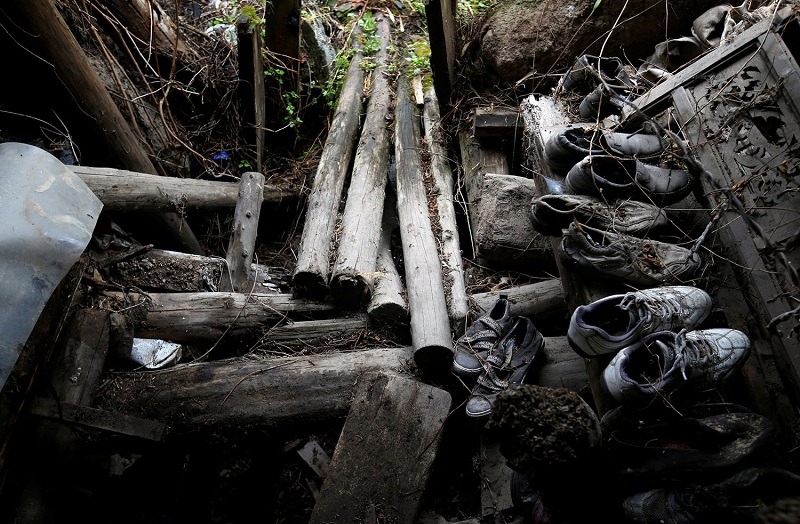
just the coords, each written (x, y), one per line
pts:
(646, 308)
(689, 353)
(493, 364)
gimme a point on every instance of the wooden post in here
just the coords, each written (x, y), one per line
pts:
(385, 451)
(352, 275)
(245, 228)
(75, 71)
(312, 269)
(430, 325)
(388, 303)
(442, 34)
(277, 392)
(282, 30)
(251, 84)
(442, 177)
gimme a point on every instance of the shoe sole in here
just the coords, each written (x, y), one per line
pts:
(580, 351)
(464, 372)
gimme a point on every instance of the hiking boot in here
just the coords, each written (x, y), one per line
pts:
(610, 177)
(663, 362)
(587, 71)
(573, 143)
(602, 102)
(636, 261)
(669, 56)
(709, 26)
(552, 213)
(738, 498)
(607, 325)
(474, 345)
(508, 364)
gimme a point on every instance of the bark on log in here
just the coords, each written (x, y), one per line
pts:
(540, 300)
(251, 84)
(312, 269)
(82, 81)
(430, 325)
(394, 425)
(242, 244)
(306, 331)
(442, 175)
(149, 24)
(280, 392)
(352, 275)
(121, 190)
(388, 299)
(193, 317)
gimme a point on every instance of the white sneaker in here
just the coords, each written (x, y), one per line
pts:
(662, 362)
(612, 323)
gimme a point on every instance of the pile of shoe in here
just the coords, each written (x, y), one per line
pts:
(498, 350)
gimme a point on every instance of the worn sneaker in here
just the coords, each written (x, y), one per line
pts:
(607, 325)
(552, 213)
(663, 362)
(508, 364)
(636, 261)
(613, 177)
(474, 345)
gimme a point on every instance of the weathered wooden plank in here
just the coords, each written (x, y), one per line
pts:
(312, 269)
(497, 123)
(562, 367)
(442, 35)
(352, 277)
(252, 93)
(276, 392)
(385, 451)
(193, 317)
(121, 190)
(75, 71)
(430, 324)
(242, 243)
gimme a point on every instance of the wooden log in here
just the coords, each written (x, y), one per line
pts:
(121, 190)
(149, 24)
(193, 317)
(430, 325)
(276, 392)
(305, 331)
(174, 271)
(312, 269)
(394, 425)
(242, 244)
(353, 272)
(251, 84)
(388, 302)
(497, 123)
(562, 368)
(73, 69)
(442, 175)
(282, 35)
(442, 35)
(540, 300)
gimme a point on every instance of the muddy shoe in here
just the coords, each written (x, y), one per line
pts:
(663, 362)
(551, 214)
(573, 143)
(635, 261)
(474, 345)
(669, 56)
(612, 323)
(708, 27)
(602, 102)
(508, 364)
(613, 178)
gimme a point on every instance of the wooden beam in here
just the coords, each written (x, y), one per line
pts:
(74, 69)
(312, 269)
(276, 392)
(385, 451)
(442, 35)
(251, 85)
(430, 324)
(242, 243)
(497, 123)
(121, 190)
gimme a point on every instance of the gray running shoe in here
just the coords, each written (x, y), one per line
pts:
(474, 345)
(617, 321)
(552, 213)
(663, 362)
(611, 177)
(636, 261)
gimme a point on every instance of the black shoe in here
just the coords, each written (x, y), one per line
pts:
(587, 71)
(573, 143)
(473, 347)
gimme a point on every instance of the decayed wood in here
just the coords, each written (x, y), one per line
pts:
(312, 269)
(99, 419)
(193, 317)
(352, 275)
(430, 325)
(442, 31)
(251, 84)
(277, 392)
(74, 70)
(394, 426)
(242, 244)
(305, 331)
(442, 176)
(121, 190)
(388, 302)
(150, 24)
(540, 300)
(489, 123)
(282, 35)
(175, 271)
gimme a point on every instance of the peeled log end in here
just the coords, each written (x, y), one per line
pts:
(309, 284)
(434, 359)
(350, 291)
